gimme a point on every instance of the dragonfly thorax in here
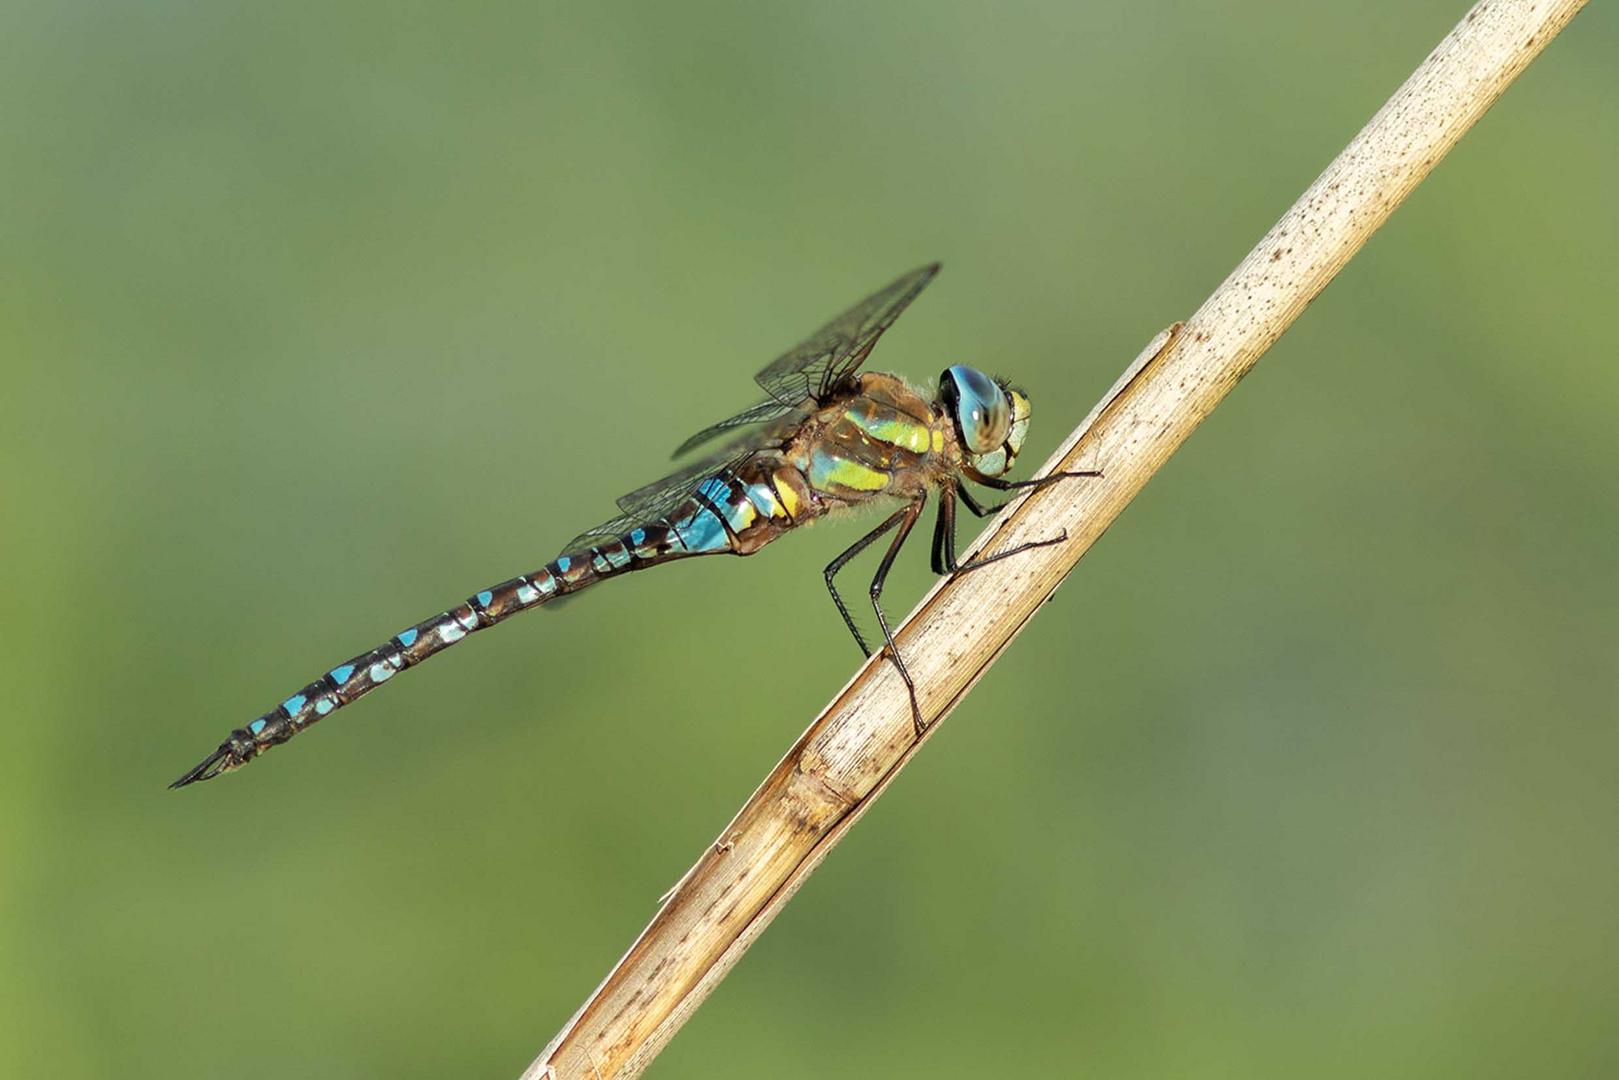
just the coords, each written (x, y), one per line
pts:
(990, 418)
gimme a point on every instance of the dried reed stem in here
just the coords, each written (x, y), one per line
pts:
(837, 768)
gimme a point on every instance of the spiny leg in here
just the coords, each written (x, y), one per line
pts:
(842, 560)
(906, 517)
(978, 508)
(944, 537)
(1036, 484)
(975, 564)
(998, 484)
(944, 531)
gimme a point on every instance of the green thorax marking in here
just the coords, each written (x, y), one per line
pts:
(836, 472)
(894, 428)
(858, 454)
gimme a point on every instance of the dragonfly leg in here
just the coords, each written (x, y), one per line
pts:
(998, 484)
(842, 560)
(978, 508)
(1036, 484)
(944, 535)
(905, 518)
(975, 564)
(944, 541)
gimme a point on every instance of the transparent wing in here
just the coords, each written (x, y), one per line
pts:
(655, 500)
(761, 413)
(795, 380)
(813, 369)
(659, 498)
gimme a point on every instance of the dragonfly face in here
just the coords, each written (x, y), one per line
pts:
(826, 438)
(991, 419)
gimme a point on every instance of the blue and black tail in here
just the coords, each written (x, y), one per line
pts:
(354, 678)
(748, 515)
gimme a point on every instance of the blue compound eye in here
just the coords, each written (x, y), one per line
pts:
(979, 407)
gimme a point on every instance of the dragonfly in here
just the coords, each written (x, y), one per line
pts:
(827, 439)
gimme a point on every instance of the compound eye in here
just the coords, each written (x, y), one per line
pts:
(982, 413)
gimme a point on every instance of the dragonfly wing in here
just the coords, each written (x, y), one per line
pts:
(761, 413)
(660, 498)
(795, 380)
(813, 369)
(649, 503)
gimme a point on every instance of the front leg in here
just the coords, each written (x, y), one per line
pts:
(1036, 484)
(944, 535)
(978, 508)
(944, 541)
(982, 511)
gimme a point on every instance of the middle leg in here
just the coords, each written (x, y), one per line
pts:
(944, 538)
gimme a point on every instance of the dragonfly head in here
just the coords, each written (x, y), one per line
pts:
(990, 417)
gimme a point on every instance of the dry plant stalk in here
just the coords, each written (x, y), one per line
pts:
(838, 767)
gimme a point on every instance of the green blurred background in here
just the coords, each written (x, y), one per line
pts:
(319, 317)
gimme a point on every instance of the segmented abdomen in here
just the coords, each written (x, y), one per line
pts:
(734, 513)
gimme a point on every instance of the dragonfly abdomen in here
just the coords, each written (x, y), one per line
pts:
(354, 678)
(729, 514)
